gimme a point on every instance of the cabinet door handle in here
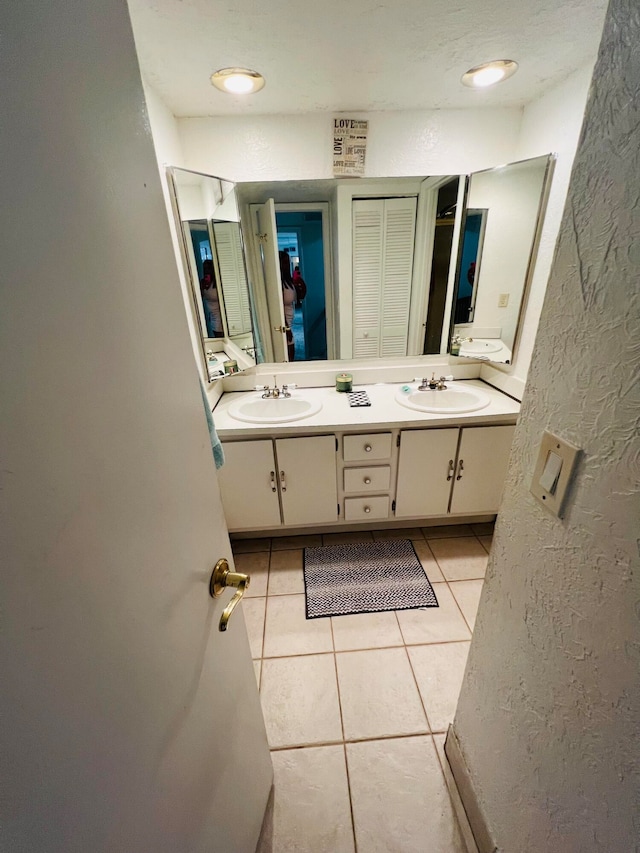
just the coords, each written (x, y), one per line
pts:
(451, 470)
(367, 509)
(283, 482)
(368, 448)
(367, 481)
(460, 469)
(272, 476)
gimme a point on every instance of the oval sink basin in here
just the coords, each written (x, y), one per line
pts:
(449, 401)
(480, 347)
(278, 410)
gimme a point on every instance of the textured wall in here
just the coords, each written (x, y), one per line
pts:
(549, 711)
(283, 148)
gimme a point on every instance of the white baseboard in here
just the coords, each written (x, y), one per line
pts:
(465, 803)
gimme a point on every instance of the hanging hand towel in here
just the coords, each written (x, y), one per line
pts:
(216, 445)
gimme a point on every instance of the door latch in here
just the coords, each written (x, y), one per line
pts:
(221, 578)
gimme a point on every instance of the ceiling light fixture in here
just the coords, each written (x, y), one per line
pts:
(237, 81)
(489, 73)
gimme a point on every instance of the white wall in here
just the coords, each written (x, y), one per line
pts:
(551, 124)
(549, 712)
(282, 148)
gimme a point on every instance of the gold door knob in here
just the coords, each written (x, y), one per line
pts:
(221, 578)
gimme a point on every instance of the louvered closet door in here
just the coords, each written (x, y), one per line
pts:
(368, 220)
(234, 281)
(383, 245)
(397, 269)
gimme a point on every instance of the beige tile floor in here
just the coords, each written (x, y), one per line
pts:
(356, 706)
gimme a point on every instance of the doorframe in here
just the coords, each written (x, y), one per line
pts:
(248, 214)
(324, 209)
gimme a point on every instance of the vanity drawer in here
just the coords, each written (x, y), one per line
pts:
(366, 509)
(358, 480)
(360, 447)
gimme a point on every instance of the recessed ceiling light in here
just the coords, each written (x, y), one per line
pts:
(237, 81)
(489, 73)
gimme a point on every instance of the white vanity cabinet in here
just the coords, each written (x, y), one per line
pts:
(425, 471)
(481, 468)
(248, 485)
(456, 471)
(267, 483)
(307, 478)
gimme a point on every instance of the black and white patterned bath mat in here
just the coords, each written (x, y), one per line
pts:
(366, 577)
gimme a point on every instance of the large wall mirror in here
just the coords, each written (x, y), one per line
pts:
(387, 267)
(208, 222)
(501, 223)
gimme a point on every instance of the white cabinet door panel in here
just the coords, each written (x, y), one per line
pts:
(248, 485)
(484, 457)
(307, 473)
(426, 459)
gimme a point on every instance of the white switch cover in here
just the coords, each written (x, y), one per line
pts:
(552, 475)
(503, 300)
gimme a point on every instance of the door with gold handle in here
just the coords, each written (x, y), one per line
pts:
(221, 578)
(282, 328)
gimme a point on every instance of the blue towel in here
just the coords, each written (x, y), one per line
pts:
(216, 445)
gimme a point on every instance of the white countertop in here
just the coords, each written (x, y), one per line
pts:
(385, 412)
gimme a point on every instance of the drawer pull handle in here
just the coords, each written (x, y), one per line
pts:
(283, 483)
(367, 481)
(367, 509)
(451, 469)
(272, 475)
(368, 448)
(460, 469)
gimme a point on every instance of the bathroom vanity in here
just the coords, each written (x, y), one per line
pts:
(329, 466)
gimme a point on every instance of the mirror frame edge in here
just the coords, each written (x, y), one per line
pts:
(193, 291)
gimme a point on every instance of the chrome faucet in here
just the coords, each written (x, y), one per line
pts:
(275, 392)
(270, 392)
(433, 384)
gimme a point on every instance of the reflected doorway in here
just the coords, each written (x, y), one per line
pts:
(300, 234)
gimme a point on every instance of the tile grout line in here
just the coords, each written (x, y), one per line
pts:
(344, 745)
(367, 649)
(415, 681)
(353, 820)
(378, 738)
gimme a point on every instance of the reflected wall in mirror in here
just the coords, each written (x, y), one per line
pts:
(212, 254)
(503, 216)
(383, 268)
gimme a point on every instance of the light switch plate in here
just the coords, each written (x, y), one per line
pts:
(503, 300)
(554, 501)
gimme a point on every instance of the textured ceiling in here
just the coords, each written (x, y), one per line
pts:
(325, 55)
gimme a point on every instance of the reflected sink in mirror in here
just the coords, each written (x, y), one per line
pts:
(480, 347)
(273, 410)
(452, 400)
